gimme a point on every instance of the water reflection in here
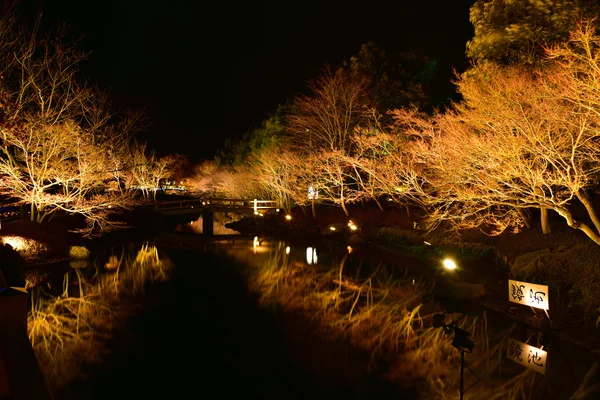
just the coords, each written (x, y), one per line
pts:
(311, 256)
(219, 221)
(381, 307)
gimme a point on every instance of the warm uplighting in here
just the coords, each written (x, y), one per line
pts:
(287, 250)
(350, 249)
(332, 228)
(288, 217)
(277, 210)
(353, 227)
(203, 203)
(449, 264)
(16, 242)
(255, 244)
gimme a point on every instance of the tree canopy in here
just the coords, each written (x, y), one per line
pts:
(516, 31)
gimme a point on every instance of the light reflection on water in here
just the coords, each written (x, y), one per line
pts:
(219, 228)
(510, 360)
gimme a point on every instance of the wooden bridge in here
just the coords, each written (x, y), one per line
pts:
(208, 206)
(214, 205)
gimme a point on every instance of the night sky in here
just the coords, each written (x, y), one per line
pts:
(205, 71)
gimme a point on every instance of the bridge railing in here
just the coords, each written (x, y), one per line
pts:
(212, 202)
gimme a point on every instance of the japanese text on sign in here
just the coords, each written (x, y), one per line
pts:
(528, 294)
(529, 356)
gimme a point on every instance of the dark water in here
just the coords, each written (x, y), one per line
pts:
(201, 336)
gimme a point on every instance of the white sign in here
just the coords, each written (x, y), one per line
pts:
(529, 356)
(528, 294)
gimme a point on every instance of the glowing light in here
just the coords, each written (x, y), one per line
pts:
(203, 203)
(277, 210)
(16, 242)
(109, 206)
(288, 217)
(350, 249)
(287, 250)
(353, 227)
(449, 264)
(332, 228)
(311, 256)
(255, 244)
(427, 243)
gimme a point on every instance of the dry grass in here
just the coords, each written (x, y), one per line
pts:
(69, 330)
(384, 315)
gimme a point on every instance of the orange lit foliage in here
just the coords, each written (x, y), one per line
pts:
(322, 127)
(514, 143)
(56, 132)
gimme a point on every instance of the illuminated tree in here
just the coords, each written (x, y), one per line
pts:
(322, 126)
(327, 119)
(147, 171)
(514, 144)
(515, 31)
(385, 163)
(55, 132)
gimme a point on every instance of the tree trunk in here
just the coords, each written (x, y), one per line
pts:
(589, 232)
(525, 218)
(312, 206)
(585, 200)
(343, 202)
(545, 221)
(543, 212)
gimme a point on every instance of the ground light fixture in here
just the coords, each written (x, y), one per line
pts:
(288, 217)
(449, 264)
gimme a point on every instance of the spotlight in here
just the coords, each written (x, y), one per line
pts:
(461, 340)
(449, 264)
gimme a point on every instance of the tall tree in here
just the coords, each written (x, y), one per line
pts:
(515, 31)
(514, 144)
(56, 132)
(395, 80)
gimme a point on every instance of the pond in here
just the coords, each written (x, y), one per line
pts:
(275, 319)
(508, 359)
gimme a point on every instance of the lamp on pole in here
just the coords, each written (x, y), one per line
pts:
(462, 343)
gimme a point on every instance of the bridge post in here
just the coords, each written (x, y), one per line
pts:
(207, 222)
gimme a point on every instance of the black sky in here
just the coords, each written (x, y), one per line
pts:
(207, 71)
